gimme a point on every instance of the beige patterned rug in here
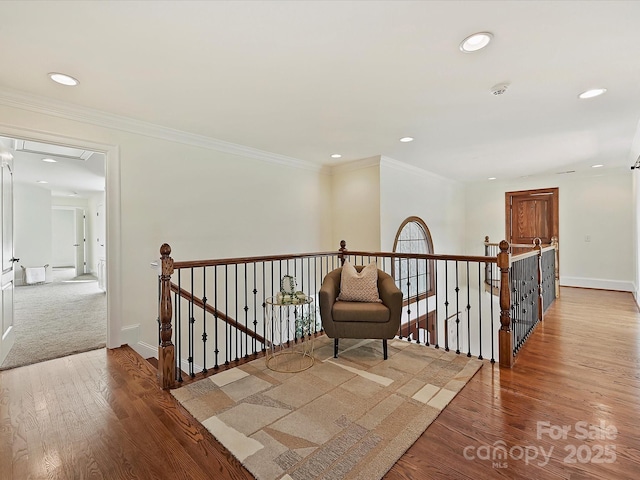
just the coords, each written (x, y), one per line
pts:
(347, 418)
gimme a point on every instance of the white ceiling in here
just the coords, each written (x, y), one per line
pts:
(75, 172)
(310, 78)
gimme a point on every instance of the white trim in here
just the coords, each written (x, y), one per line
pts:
(355, 165)
(112, 194)
(412, 170)
(130, 334)
(146, 350)
(598, 283)
(47, 106)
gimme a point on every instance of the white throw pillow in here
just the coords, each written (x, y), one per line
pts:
(359, 287)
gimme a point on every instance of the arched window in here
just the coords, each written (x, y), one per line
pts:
(413, 277)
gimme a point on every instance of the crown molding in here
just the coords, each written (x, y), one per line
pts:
(410, 169)
(56, 108)
(355, 165)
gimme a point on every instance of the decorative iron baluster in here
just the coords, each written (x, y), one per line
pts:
(436, 339)
(480, 310)
(215, 317)
(457, 290)
(204, 320)
(227, 327)
(246, 312)
(255, 307)
(178, 303)
(235, 318)
(192, 322)
(446, 305)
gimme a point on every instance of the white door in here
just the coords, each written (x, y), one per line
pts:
(6, 278)
(80, 243)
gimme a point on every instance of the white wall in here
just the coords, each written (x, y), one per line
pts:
(597, 205)
(406, 191)
(355, 205)
(31, 228)
(204, 202)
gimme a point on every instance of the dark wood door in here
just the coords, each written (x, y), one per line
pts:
(531, 214)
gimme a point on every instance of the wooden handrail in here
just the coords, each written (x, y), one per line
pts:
(216, 313)
(241, 260)
(425, 256)
(345, 252)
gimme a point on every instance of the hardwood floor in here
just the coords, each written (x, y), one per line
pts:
(101, 414)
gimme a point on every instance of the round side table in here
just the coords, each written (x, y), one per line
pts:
(289, 343)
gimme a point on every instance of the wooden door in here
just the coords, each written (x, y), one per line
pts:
(6, 237)
(531, 214)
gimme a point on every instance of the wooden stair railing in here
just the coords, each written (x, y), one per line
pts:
(167, 365)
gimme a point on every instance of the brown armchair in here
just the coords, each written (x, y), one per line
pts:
(342, 319)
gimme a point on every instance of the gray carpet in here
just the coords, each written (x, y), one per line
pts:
(56, 319)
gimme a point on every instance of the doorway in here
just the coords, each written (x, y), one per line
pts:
(531, 214)
(55, 187)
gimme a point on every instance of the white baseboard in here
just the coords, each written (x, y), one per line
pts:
(598, 283)
(147, 351)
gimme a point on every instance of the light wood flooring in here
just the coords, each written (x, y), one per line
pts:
(101, 414)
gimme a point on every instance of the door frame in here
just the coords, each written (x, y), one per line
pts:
(112, 216)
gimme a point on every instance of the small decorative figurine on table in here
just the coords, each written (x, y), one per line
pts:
(288, 295)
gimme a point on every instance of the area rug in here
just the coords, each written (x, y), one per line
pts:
(347, 418)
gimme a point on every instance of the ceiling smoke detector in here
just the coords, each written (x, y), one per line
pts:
(499, 89)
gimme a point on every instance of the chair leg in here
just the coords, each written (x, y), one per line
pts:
(335, 348)
(384, 348)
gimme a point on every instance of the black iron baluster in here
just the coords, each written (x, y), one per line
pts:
(480, 310)
(246, 313)
(192, 321)
(468, 313)
(204, 319)
(235, 318)
(178, 312)
(457, 311)
(446, 305)
(255, 307)
(418, 304)
(436, 340)
(264, 298)
(215, 316)
(227, 327)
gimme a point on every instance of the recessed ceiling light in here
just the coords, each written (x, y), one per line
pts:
(72, 194)
(406, 139)
(475, 42)
(49, 160)
(597, 166)
(336, 155)
(42, 181)
(63, 79)
(594, 92)
(491, 178)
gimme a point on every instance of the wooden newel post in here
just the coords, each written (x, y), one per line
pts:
(343, 250)
(505, 337)
(538, 246)
(166, 349)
